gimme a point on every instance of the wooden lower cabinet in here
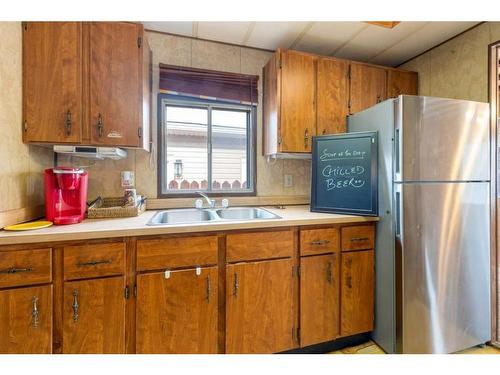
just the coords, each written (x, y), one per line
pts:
(94, 316)
(26, 320)
(259, 307)
(357, 292)
(177, 312)
(319, 299)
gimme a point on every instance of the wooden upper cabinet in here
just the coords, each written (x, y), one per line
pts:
(298, 108)
(319, 299)
(332, 96)
(357, 292)
(368, 86)
(400, 82)
(259, 316)
(52, 82)
(94, 316)
(26, 320)
(178, 314)
(86, 83)
(115, 83)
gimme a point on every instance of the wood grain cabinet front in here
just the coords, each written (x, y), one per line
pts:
(319, 299)
(25, 267)
(177, 312)
(368, 86)
(357, 292)
(94, 316)
(26, 320)
(259, 305)
(359, 237)
(319, 241)
(86, 83)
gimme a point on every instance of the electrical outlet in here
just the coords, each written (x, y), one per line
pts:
(288, 182)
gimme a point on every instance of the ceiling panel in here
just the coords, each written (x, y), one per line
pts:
(180, 28)
(375, 39)
(273, 35)
(352, 40)
(429, 36)
(228, 32)
(326, 37)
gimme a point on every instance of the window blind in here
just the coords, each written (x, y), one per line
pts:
(206, 83)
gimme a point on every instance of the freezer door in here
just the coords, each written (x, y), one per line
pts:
(443, 240)
(440, 139)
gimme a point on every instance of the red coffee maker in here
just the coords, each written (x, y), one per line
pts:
(65, 195)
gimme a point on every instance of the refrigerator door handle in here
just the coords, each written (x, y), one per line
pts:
(396, 138)
(398, 214)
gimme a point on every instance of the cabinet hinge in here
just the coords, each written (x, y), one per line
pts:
(296, 271)
(139, 132)
(25, 126)
(349, 105)
(126, 292)
(139, 42)
(135, 291)
(280, 140)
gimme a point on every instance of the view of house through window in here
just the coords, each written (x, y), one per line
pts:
(205, 147)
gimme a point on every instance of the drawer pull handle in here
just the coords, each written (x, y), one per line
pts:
(329, 276)
(359, 239)
(235, 285)
(320, 242)
(209, 289)
(94, 263)
(75, 305)
(16, 270)
(35, 314)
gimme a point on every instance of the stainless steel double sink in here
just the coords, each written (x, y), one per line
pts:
(195, 215)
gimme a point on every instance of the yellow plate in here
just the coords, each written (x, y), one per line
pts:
(30, 225)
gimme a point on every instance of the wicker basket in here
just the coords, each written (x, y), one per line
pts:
(112, 207)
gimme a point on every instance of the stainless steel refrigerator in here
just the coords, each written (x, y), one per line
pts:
(433, 239)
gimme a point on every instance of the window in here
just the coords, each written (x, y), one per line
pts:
(205, 146)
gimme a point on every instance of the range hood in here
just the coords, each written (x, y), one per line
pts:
(92, 152)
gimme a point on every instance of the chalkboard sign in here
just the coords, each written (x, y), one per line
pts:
(344, 174)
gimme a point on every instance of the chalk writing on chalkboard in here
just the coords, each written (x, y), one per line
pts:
(344, 173)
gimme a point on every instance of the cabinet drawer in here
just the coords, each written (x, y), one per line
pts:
(259, 245)
(319, 241)
(25, 267)
(176, 252)
(87, 261)
(358, 238)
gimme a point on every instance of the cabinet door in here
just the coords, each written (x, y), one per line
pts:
(52, 74)
(115, 83)
(332, 96)
(26, 320)
(401, 83)
(298, 109)
(177, 314)
(94, 316)
(259, 307)
(368, 86)
(319, 299)
(357, 292)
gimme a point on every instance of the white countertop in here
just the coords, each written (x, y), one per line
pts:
(136, 226)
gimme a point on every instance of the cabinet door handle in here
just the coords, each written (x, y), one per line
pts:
(209, 289)
(359, 239)
(94, 263)
(379, 98)
(16, 270)
(329, 276)
(76, 306)
(349, 282)
(100, 125)
(319, 242)
(68, 122)
(306, 138)
(323, 132)
(235, 285)
(35, 314)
